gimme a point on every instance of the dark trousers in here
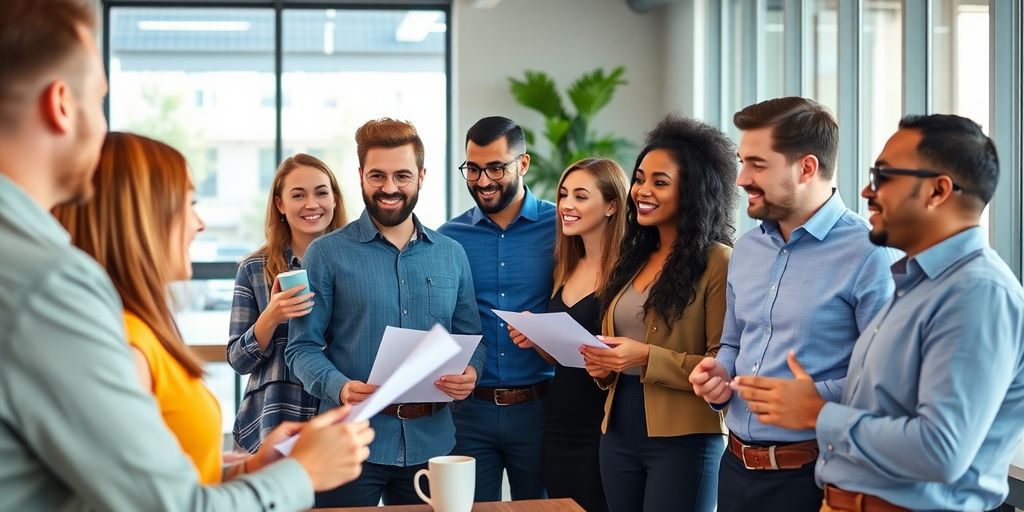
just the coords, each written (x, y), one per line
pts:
(787, 490)
(655, 474)
(393, 484)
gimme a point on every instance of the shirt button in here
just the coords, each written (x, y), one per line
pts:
(785, 251)
(754, 369)
(654, 329)
(405, 311)
(502, 354)
(900, 293)
(502, 294)
(501, 324)
(503, 263)
(403, 281)
(829, 447)
(773, 287)
(502, 235)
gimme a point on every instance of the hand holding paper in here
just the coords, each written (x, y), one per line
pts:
(557, 333)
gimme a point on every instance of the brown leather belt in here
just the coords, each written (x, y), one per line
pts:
(512, 395)
(412, 411)
(846, 501)
(776, 456)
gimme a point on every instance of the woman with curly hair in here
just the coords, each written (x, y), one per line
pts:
(662, 311)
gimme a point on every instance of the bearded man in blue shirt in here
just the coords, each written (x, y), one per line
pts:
(510, 238)
(934, 397)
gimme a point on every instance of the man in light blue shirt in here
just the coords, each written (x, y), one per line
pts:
(807, 279)
(510, 240)
(384, 269)
(934, 400)
(78, 433)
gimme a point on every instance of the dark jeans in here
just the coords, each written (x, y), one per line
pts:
(787, 490)
(377, 481)
(655, 474)
(502, 437)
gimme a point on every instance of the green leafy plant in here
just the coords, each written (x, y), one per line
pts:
(569, 134)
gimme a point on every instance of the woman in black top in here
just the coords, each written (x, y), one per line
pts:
(591, 196)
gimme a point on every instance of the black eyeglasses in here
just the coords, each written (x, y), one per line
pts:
(878, 175)
(493, 172)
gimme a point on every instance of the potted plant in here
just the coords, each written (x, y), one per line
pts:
(569, 134)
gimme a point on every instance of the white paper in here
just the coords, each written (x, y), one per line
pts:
(433, 350)
(397, 342)
(557, 333)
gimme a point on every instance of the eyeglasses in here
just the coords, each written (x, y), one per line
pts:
(379, 179)
(493, 172)
(878, 175)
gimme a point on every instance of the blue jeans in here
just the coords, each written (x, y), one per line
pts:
(652, 474)
(392, 484)
(502, 437)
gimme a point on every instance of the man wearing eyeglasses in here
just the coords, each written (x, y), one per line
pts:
(932, 410)
(509, 237)
(807, 279)
(384, 269)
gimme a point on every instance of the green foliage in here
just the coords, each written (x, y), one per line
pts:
(569, 135)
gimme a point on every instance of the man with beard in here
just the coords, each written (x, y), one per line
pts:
(509, 237)
(806, 280)
(933, 404)
(384, 269)
(78, 432)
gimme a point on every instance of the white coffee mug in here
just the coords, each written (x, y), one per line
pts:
(452, 481)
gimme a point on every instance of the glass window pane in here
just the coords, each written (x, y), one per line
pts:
(881, 101)
(825, 53)
(345, 67)
(773, 51)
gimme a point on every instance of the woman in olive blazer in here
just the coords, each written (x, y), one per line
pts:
(663, 311)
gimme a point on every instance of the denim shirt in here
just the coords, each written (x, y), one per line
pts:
(813, 294)
(934, 403)
(512, 271)
(363, 284)
(272, 393)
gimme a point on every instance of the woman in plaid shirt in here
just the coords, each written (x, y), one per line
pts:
(305, 202)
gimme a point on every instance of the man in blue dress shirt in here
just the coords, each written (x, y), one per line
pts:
(934, 400)
(510, 238)
(384, 269)
(806, 279)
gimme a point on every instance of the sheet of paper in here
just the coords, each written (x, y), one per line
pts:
(397, 342)
(434, 349)
(557, 333)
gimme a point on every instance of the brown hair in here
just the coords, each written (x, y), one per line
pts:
(37, 37)
(388, 133)
(278, 233)
(799, 127)
(569, 250)
(141, 188)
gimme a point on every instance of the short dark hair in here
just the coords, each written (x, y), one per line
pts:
(36, 37)
(957, 145)
(388, 133)
(490, 129)
(799, 127)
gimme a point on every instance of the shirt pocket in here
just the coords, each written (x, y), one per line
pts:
(442, 293)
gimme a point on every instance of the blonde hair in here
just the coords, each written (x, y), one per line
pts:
(277, 231)
(569, 250)
(141, 189)
(388, 133)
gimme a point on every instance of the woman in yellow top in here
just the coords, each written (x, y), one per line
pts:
(663, 310)
(139, 227)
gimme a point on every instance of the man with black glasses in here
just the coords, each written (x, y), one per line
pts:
(932, 409)
(509, 237)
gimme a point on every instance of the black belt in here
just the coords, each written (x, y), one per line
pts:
(514, 394)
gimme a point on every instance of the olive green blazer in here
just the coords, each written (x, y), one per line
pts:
(672, 408)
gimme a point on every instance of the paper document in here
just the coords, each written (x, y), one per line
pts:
(435, 348)
(557, 333)
(397, 342)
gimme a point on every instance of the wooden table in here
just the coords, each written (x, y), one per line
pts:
(559, 505)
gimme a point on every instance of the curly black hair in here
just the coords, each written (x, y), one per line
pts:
(707, 195)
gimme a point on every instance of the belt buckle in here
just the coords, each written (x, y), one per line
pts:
(398, 412)
(771, 458)
(501, 391)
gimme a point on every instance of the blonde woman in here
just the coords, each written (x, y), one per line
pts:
(589, 228)
(305, 202)
(138, 227)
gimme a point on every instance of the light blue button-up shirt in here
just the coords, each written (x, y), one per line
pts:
(934, 404)
(813, 294)
(78, 433)
(512, 271)
(363, 284)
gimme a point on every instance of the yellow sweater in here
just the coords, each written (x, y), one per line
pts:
(189, 409)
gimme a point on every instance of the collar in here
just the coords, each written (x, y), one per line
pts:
(820, 223)
(366, 231)
(25, 212)
(938, 258)
(529, 211)
(291, 259)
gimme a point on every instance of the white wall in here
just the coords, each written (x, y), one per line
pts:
(564, 38)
